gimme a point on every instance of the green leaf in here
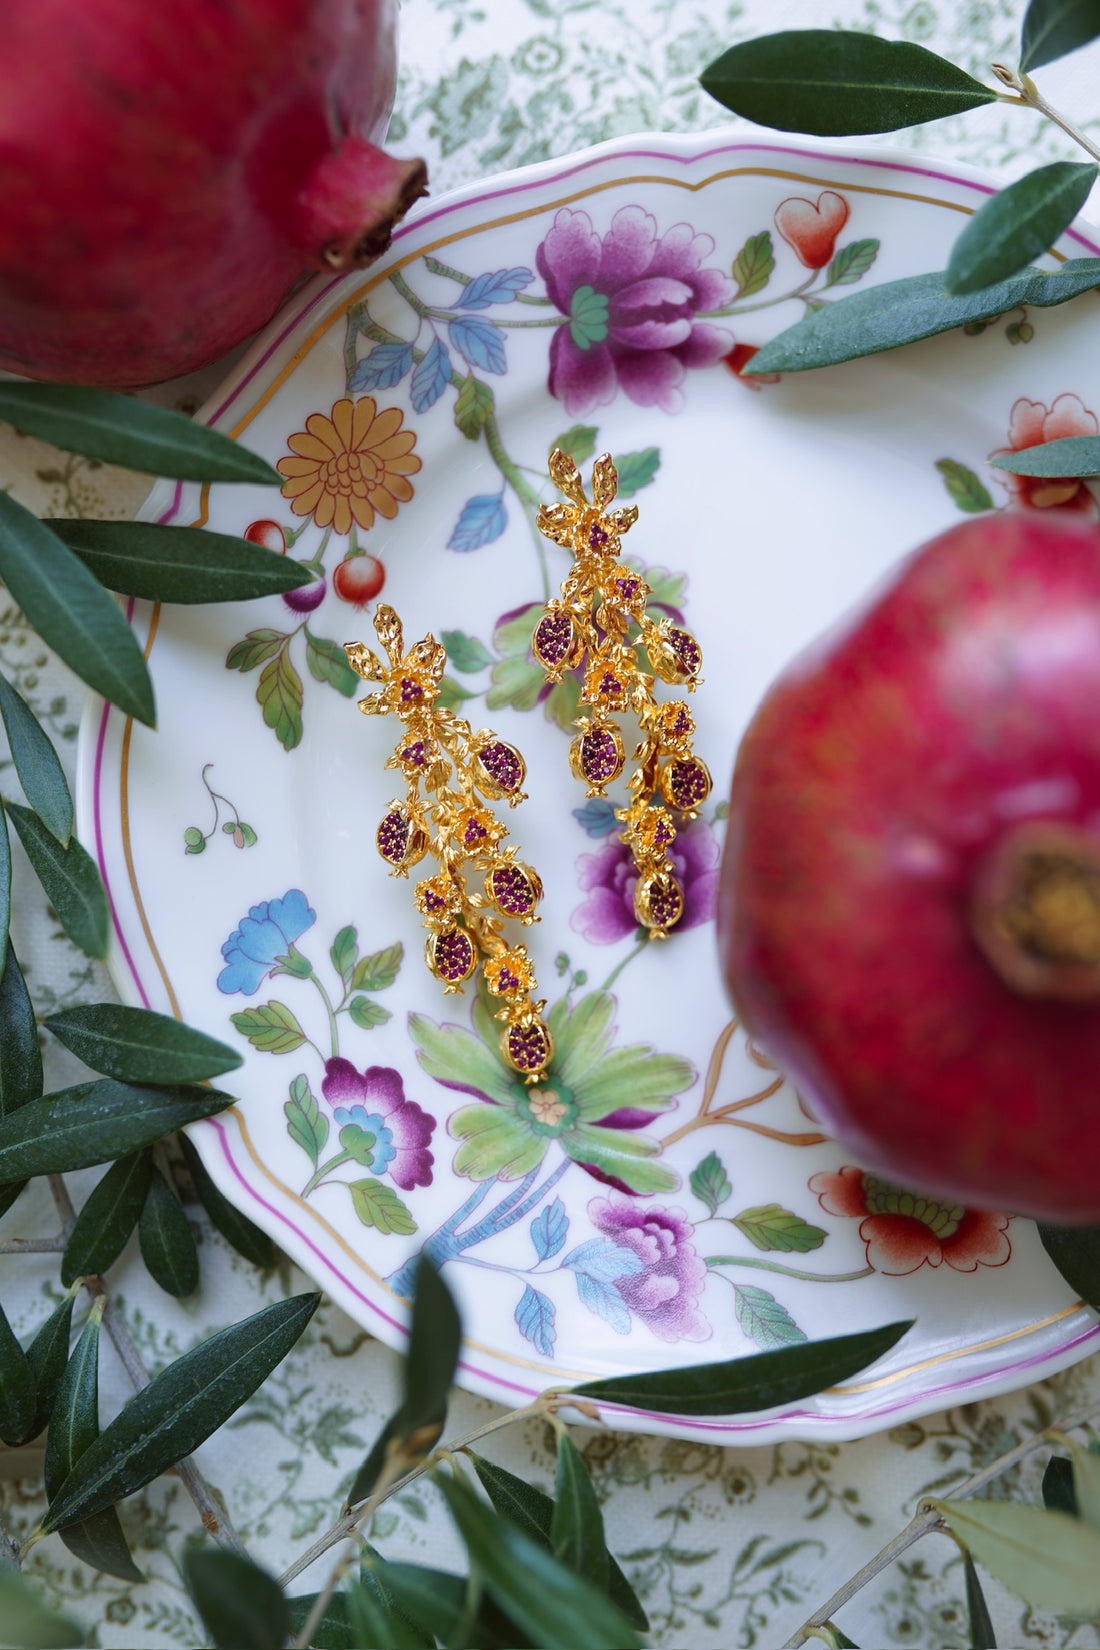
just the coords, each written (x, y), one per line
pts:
(1075, 1251)
(367, 1014)
(270, 1027)
(578, 442)
(473, 404)
(242, 1607)
(329, 663)
(1052, 28)
(576, 1531)
(852, 262)
(753, 265)
(452, 695)
(533, 1512)
(465, 653)
(380, 969)
(237, 1229)
(772, 1227)
(17, 1394)
(92, 1123)
(343, 953)
(761, 1381)
(373, 1624)
(279, 696)
(70, 878)
(257, 646)
(1071, 455)
(72, 612)
(378, 1205)
(139, 1046)
(333, 1631)
(963, 486)
(710, 1182)
(637, 470)
(306, 1123)
(765, 1321)
(836, 83)
(1059, 1490)
(119, 429)
(374, 1578)
(982, 1636)
(178, 1410)
(1048, 1559)
(109, 1215)
(547, 1602)
(20, 1056)
(1017, 224)
(162, 563)
(167, 1243)
(441, 1601)
(36, 762)
(27, 1622)
(1086, 1485)
(902, 312)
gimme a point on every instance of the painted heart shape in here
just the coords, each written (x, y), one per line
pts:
(811, 229)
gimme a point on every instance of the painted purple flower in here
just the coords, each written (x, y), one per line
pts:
(665, 1293)
(632, 298)
(379, 1128)
(265, 936)
(609, 875)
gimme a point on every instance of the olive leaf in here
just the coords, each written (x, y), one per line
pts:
(450, 1608)
(20, 1056)
(236, 1228)
(1070, 455)
(167, 1243)
(109, 1215)
(1075, 1251)
(163, 563)
(761, 1381)
(374, 1579)
(5, 882)
(138, 1046)
(36, 762)
(242, 1606)
(1017, 224)
(1052, 28)
(982, 1636)
(1059, 1490)
(70, 877)
(90, 1123)
(17, 1394)
(178, 1410)
(576, 1529)
(1052, 1561)
(837, 82)
(371, 1622)
(71, 611)
(47, 1355)
(118, 429)
(30, 1623)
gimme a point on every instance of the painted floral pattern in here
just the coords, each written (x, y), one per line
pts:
(264, 941)
(382, 1130)
(811, 228)
(1031, 423)
(351, 465)
(607, 878)
(665, 1292)
(904, 1231)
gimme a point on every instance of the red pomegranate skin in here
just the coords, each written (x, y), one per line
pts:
(170, 170)
(872, 789)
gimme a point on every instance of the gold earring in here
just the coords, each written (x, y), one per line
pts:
(602, 602)
(458, 770)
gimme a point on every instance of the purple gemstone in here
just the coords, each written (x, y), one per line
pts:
(687, 651)
(512, 891)
(415, 754)
(453, 955)
(503, 766)
(528, 1047)
(410, 690)
(597, 538)
(688, 783)
(553, 638)
(392, 836)
(599, 756)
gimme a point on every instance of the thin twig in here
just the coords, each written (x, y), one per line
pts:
(32, 1246)
(927, 1519)
(1029, 93)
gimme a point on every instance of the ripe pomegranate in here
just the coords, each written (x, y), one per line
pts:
(358, 579)
(268, 534)
(171, 170)
(910, 904)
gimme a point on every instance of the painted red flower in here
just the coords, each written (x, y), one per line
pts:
(1030, 424)
(811, 228)
(738, 359)
(904, 1231)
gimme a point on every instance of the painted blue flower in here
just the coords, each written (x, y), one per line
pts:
(365, 1135)
(265, 935)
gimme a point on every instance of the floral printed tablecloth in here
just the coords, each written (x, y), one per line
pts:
(725, 1547)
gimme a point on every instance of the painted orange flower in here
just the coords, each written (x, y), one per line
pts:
(904, 1231)
(350, 466)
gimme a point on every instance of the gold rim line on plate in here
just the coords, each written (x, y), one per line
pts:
(246, 419)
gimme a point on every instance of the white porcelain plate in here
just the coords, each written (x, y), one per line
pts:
(596, 301)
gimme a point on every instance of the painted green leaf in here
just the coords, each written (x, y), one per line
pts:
(836, 83)
(47, 1355)
(167, 1242)
(162, 563)
(1048, 1559)
(473, 404)
(772, 1227)
(1072, 455)
(1075, 1251)
(765, 1321)
(710, 1182)
(137, 434)
(851, 263)
(306, 1123)
(329, 663)
(17, 1395)
(257, 646)
(279, 696)
(367, 1013)
(343, 953)
(902, 312)
(270, 1027)
(90, 1123)
(576, 1529)
(1059, 1490)
(637, 470)
(452, 695)
(20, 1056)
(465, 653)
(70, 877)
(178, 1410)
(236, 1228)
(964, 487)
(242, 1607)
(72, 612)
(139, 1046)
(110, 1213)
(515, 682)
(1017, 224)
(578, 442)
(753, 265)
(380, 969)
(760, 1381)
(378, 1205)
(1052, 28)
(30, 1623)
(36, 762)
(549, 1603)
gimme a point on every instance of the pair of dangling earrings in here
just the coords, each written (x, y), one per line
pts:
(452, 773)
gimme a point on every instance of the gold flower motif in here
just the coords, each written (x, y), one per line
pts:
(350, 466)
